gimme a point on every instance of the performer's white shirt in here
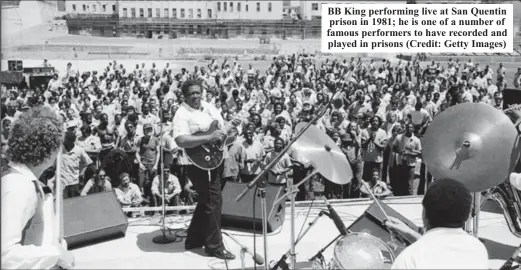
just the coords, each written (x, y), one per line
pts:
(20, 203)
(188, 120)
(444, 248)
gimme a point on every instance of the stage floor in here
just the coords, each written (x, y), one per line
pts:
(136, 250)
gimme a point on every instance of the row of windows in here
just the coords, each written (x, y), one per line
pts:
(228, 6)
(198, 29)
(86, 8)
(166, 13)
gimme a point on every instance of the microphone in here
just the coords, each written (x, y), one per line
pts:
(514, 258)
(259, 260)
(336, 218)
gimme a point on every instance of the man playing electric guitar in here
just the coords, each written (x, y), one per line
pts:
(196, 116)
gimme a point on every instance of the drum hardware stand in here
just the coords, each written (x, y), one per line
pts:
(319, 255)
(292, 189)
(261, 185)
(472, 224)
(281, 264)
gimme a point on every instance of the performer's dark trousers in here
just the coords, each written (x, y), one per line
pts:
(205, 227)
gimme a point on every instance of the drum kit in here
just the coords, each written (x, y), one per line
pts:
(475, 144)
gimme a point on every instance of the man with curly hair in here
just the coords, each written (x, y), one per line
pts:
(35, 139)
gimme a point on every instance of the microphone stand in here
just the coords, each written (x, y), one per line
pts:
(281, 263)
(319, 256)
(257, 179)
(163, 238)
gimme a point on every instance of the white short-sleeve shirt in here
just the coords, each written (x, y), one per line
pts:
(444, 248)
(188, 120)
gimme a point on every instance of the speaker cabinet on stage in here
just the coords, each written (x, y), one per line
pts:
(372, 222)
(511, 96)
(93, 218)
(239, 215)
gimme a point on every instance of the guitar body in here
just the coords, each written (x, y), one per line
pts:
(210, 155)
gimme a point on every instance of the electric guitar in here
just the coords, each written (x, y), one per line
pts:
(209, 155)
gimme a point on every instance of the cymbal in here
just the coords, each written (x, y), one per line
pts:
(323, 154)
(473, 143)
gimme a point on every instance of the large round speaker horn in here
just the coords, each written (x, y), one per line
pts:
(473, 143)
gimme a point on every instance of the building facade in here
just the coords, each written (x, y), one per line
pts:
(107, 7)
(173, 19)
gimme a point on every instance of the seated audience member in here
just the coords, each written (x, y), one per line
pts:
(128, 194)
(100, 182)
(171, 190)
(444, 245)
(377, 187)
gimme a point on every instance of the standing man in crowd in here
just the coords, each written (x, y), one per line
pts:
(408, 148)
(75, 161)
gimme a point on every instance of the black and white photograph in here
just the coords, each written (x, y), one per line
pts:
(166, 134)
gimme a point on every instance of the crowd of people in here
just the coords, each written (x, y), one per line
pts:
(120, 133)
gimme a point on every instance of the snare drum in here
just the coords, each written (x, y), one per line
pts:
(361, 251)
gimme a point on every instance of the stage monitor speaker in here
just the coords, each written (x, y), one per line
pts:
(372, 222)
(92, 219)
(511, 96)
(239, 215)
